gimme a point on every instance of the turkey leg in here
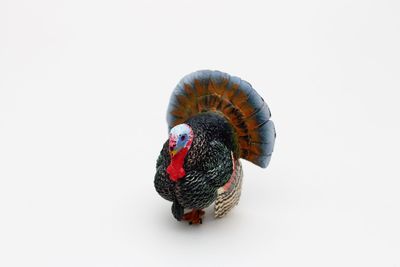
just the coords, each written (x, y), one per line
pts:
(194, 216)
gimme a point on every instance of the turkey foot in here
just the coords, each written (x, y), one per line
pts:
(194, 216)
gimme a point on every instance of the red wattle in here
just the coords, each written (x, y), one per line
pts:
(175, 174)
(175, 168)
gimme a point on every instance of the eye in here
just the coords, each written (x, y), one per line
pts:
(183, 137)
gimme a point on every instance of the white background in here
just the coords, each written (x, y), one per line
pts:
(84, 86)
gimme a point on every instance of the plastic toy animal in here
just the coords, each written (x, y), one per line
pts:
(214, 120)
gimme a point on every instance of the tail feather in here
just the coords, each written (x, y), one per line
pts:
(236, 100)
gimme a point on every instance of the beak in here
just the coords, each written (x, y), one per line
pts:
(173, 152)
(172, 148)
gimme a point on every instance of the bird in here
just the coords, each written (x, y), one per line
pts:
(214, 120)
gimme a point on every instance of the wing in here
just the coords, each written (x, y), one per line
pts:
(229, 194)
(199, 187)
(218, 165)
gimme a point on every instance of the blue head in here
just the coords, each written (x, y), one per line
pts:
(180, 137)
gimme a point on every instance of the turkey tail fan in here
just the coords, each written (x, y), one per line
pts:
(236, 100)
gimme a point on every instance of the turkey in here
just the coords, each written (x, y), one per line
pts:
(214, 120)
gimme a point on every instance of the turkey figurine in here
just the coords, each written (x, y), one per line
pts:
(214, 120)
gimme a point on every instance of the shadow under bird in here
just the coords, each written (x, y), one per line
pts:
(214, 120)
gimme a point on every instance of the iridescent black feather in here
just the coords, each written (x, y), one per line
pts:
(208, 164)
